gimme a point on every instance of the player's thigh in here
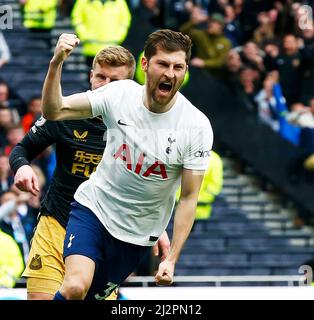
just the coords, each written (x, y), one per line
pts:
(119, 260)
(82, 247)
(45, 267)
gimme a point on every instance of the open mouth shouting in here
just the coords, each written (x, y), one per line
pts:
(165, 87)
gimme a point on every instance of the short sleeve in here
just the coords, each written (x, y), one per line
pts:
(104, 98)
(198, 148)
(98, 101)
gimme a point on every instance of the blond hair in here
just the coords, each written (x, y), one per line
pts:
(116, 56)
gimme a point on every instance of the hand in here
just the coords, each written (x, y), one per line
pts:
(188, 5)
(197, 62)
(23, 197)
(162, 247)
(65, 45)
(273, 51)
(26, 180)
(164, 276)
(198, 16)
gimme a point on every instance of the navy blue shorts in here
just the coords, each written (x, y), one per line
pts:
(115, 259)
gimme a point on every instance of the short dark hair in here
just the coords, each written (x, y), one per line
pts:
(168, 40)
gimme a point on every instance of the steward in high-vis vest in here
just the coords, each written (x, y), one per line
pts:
(100, 23)
(40, 14)
(210, 188)
(11, 261)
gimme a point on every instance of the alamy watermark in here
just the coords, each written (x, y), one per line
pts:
(307, 273)
(6, 17)
(305, 17)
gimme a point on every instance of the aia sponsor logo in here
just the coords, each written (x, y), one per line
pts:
(157, 168)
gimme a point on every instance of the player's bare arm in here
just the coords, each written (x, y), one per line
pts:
(162, 247)
(183, 222)
(55, 106)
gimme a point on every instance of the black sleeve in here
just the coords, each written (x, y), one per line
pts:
(42, 135)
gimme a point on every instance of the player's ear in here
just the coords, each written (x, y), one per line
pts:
(144, 63)
(91, 74)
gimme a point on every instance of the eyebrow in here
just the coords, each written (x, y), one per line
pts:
(166, 62)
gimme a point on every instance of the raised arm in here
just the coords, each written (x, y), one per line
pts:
(183, 222)
(55, 106)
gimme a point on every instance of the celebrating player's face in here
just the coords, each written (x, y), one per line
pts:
(165, 73)
(106, 73)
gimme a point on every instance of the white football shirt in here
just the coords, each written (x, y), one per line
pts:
(132, 191)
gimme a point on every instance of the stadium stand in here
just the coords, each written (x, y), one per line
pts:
(249, 233)
(252, 229)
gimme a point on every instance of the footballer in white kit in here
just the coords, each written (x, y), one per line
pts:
(133, 189)
(156, 140)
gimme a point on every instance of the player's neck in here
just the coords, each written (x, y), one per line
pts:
(155, 107)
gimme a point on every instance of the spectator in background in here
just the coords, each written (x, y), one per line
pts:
(6, 177)
(285, 21)
(272, 108)
(14, 135)
(303, 165)
(232, 70)
(252, 56)
(266, 103)
(249, 85)
(13, 224)
(4, 93)
(287, 130)
(290, 64)
(6, 121)
(301, 115)
(177, 13)
(39, 16)
(271, 52)
(297, 14)
(211, 45)
(146, 18)
(5, 54)
(33, 114)
(5, 101)
(151, 11)
(232, 26)
(246, 17)
(11, 261)
(265, 29)
(308, 53)
(99, 24)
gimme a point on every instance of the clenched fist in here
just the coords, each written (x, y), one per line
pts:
(65, 45)
(26, 180)
(164, 276)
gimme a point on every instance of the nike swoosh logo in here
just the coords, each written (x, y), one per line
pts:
(121, 123)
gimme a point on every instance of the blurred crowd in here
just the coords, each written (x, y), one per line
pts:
(263, 51)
